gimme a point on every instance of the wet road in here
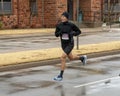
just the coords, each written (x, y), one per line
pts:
(98, 78)
(12, 43)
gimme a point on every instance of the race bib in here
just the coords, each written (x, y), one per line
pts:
(65, 37)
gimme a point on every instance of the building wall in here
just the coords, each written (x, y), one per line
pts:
(96, 7)
(86, 9)
(24, 17)
(38, 19)
(90, 10)
(52, 11)
(49, 12)
(23, 13)
(10, 21)
(61, 6)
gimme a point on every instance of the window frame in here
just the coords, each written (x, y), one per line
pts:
(32, 11)
(5, 12)
(106, 6)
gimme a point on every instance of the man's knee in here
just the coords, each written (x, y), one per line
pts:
(63, 57)
(71, 58)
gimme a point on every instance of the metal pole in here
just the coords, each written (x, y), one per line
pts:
(119, 16)
(78, 23)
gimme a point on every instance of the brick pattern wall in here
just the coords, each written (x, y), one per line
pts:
(90, 9)
(37, 20)
(61, 7)
(23, 13)
(53, 10)
(20, 17)
(48, 15)
(10, 20)
(85, 5)
(86, 8)
(96, 7)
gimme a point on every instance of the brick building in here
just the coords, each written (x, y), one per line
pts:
(46, 13)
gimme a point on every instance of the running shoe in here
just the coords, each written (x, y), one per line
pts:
(84, 59)
(58, 78)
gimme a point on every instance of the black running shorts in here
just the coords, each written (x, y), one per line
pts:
(67, 47)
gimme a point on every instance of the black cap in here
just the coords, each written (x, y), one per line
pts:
(66, 14)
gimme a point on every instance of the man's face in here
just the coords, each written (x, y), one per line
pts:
(63, 18)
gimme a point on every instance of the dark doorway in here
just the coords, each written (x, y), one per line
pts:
(70, 8)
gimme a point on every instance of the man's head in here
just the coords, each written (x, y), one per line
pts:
(64, 16)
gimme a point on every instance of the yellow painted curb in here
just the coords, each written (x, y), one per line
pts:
(100, 47)
(39, 30)
(52, 53)
(26, 31)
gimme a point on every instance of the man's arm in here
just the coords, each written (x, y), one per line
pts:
(57, 31)
(76, 30)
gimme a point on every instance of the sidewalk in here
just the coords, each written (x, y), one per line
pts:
(51, 53)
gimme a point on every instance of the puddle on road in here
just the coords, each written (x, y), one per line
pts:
(24, 73)
(45, 41)
(19, 87)
(30, 79)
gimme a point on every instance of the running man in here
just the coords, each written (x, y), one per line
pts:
(66, 30)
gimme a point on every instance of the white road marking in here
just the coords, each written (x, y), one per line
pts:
(99, 81)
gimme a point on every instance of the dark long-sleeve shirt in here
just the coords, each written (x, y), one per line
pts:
(66, 31)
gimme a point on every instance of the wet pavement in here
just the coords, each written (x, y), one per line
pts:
(98, 78)
(14, 43)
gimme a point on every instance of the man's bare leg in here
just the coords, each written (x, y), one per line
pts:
(63, 65)
(75, 57)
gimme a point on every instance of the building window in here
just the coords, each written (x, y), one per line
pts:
(33, 7)
(114, 5)
(5, 7)
(117, 7)
(111, 1)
